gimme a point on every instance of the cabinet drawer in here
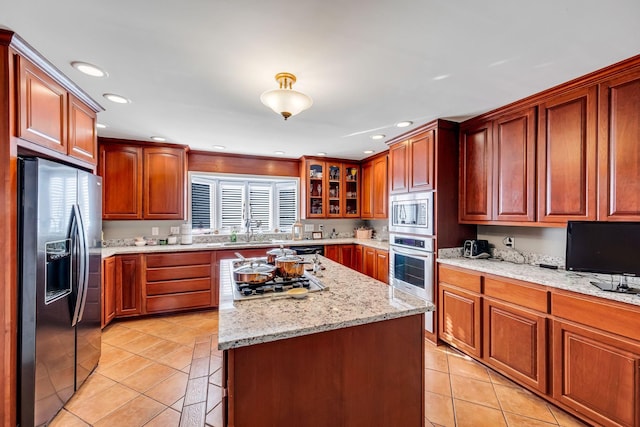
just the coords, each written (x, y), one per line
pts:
(178, 301)
(173, 273)
(471, 282)
(520, 294)
(178, 259)
(177, 286)
(604, 315)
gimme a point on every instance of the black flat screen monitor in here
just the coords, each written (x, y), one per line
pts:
(603, 247)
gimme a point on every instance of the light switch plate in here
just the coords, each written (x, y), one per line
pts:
(155, 231)
(175, 230)
(308, 227)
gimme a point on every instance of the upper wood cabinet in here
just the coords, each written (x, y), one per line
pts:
(330, 189)
(142, 182)
(476, 163)
(412, 164)
(375, 196)
(567, 157)
(618, 148)
(51, 117)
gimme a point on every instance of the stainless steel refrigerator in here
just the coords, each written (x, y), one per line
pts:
(60, 222)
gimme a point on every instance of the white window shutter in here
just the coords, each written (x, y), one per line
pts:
(231, 204)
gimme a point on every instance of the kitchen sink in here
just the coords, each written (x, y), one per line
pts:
(251, 243)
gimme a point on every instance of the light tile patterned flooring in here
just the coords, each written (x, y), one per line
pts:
(166, 371)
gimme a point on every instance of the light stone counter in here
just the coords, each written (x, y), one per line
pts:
(351, 299)
(118, 250)
(560, 279)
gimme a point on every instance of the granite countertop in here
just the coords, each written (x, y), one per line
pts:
(560, 279)
(351, 299)
(110, 251)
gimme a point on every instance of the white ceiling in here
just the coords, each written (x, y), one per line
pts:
(195, 69)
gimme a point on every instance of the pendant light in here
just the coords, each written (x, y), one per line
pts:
(286, 101)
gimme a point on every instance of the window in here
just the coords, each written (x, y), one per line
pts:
(224, 202)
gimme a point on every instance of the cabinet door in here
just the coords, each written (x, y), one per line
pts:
(315, 201)
(421, 164)
(514, 166)
(121, 170)
(42, 108)
(369, 261)
(399, 164)
(357, 258)
(382, 266)
(108, 290)
(618, 153)
(366, 202)
(83, 139)
(475, 172)
(332, 252)
(164, 180)
(351, 190)
(459, 319)
(346, 255)
(515, 342)
(567, 157)
(380, 194)
(334, 189)
(128, 285)
(596, 374)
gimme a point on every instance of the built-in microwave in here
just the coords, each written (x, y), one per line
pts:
(411, 213)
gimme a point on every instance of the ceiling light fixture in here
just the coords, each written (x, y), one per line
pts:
(101, 126)
(286, 101)
(116, 98)
(321, 153)
(368, 151)
(89, 69)
(404, 124)
(219, 147)
(278, 152)
(159, 138)
(378, 136)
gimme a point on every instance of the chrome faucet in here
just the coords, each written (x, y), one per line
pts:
(246, 212)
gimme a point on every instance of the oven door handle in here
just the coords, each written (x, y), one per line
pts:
(412, 253)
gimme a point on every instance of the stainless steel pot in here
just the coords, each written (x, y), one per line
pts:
(290, 266)
(254, 273)
(278, 252)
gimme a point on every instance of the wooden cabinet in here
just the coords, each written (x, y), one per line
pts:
(382, 266)
(51, 117)
(344, 254)
(142, 182)
(459, 310)
(412, 164)
(330, 189)
(514, 142)
(128, 285)
(618, 153)
(375, 198)
(476, 180)
(358, 253)
(567, 157)
(596, 374)
(108, 290)
(369, 261)
(178, 281)
(515, 330)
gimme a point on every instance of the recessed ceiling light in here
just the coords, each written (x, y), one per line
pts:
(279, 152)
(159, 138)
(404, 124)
(378, 136)
(369, 151)
(441, 77)
(100, 126)
(116, 98)
(322, 153)
(219, 147)
(89, 69)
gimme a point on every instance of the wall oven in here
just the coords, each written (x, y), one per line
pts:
(411, 213)
(411, 266)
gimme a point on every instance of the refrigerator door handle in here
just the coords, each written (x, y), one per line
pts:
(84, 261)
(79, 261)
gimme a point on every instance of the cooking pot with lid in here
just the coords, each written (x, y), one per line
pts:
(278, 252)
(290, 266)
(254, 273)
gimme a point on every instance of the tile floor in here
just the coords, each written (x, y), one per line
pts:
(166, 371)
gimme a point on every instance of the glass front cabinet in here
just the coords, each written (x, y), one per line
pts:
(330, 189)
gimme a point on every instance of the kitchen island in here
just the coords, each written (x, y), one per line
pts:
(350, 355)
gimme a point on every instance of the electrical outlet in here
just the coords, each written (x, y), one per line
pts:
(509, 242)
(308, 227)
(320, 227)
(175, 230)
(155, 231)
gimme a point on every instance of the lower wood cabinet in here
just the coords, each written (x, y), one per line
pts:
(375, 263)
(178, 281)
(358, 253)
(108, 290)
(128, 285)
(344, 254)
(459, 319)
